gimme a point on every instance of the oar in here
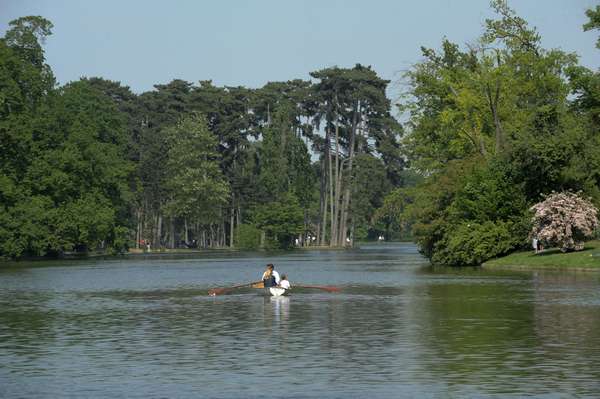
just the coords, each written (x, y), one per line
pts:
(220, 291)
(328, 288)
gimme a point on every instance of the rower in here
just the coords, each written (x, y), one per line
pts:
(270, 277)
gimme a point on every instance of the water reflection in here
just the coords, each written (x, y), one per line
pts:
(508, 336)
(396, 330)
(281, 308)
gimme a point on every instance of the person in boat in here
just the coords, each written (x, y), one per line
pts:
(284, 283)
(270, 277)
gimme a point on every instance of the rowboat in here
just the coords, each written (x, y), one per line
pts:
(277, 291)
(272, 291)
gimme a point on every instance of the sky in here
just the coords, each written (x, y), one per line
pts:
(249, 43)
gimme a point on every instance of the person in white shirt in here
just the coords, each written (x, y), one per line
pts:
(284, 283)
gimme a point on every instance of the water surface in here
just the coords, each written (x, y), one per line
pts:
(141, 327)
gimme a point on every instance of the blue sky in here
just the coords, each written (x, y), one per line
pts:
(144, 42)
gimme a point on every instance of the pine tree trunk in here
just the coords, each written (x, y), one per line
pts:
(339, 209)
(325, 217)
(231, 222)
(223, 234)
(186, 236)
(158, 239)
(138, 233)
(332, 232)
(322, 206)
(348, 191)
(172, 233)
(336, 190)
(305, 239)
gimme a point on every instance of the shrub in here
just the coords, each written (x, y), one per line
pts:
(564, 220)
(473, 243)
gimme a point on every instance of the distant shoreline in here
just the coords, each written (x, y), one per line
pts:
(6, 262)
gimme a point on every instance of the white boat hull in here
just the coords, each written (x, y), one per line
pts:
(276, 291)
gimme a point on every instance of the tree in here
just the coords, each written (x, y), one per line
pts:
(594, 21)
(586, 83)
(281, 221)
(490, 129)
(229, 117)
(197, 189)
(158, 110)
(564, 219)
(393, 214)
(370, 187)
(63, 168)
(356, 116)
(26, 83)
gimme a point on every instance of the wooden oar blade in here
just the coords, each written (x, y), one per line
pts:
(216, 291)
(220, 291)
(328, 288)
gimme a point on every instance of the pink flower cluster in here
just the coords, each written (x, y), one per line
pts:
(564, 220)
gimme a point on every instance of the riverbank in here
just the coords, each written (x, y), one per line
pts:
(134, 252)
(553, 258)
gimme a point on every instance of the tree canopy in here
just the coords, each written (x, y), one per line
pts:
(487, 130)
(492, 128)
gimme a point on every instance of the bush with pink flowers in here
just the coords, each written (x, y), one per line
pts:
(564, 220)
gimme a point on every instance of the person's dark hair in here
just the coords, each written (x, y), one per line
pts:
(284, 276)
(270, 266)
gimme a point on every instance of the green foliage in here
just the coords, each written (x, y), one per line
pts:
(488, 193)
(469, 193)
(248, 236)
(196, 185)
(284, 161)
(510, 29)
(120, 239)
(85, 222)
(26, 228)
(473, 243)
(393, 217)
(594, 21)
(492, 129)
(282, 221)
(63, 169)
(370, 186)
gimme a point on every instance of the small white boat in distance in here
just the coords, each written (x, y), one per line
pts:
(277, 291)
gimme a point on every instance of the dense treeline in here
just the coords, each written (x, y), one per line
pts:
(91, 165)
(493, 127)
(489, 129)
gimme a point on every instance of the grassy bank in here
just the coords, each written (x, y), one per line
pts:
(588, 259)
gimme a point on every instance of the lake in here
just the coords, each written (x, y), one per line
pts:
(144, 327)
